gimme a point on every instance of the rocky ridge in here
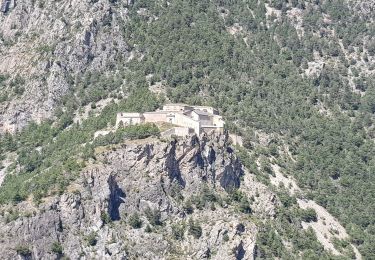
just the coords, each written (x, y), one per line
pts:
(156, 180)
(45, 46)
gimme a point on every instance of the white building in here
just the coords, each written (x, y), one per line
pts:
(194, 118)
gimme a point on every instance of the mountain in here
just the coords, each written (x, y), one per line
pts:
(293, 79)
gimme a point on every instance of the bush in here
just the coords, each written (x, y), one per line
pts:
(309, 215)
(13, 215)
(178, 231)
(188, 207)
(104, 216)
(23, 250)
(153, 216)
(195, 229)
(226, 237)
(135, 221)
(57, 248)
(141, 131)
(91, 239)
(244, 206)
(208, 195)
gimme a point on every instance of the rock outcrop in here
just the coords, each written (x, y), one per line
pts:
(47, 45)
(180, 190)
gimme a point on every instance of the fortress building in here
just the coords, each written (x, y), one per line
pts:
(188, 119)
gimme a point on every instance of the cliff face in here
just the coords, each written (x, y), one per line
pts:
(182, 192)
(45, 46)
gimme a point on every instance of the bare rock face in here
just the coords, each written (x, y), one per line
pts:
(49, 44)
(156, 181)
(364, 7)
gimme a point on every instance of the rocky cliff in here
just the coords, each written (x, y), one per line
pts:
(45, 46)
(188, 199)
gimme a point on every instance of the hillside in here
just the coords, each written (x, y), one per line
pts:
(293, 78)
(137, 194)
(152, 198)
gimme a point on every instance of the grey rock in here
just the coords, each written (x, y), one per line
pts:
(141, 178)
(49, 45)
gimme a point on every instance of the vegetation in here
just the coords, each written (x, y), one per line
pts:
(140, 131)
(188, 206)
(65, 151)
(57, 248)
(226, 237)
(178, 231)
(153, 216)
(23, 250)
(194, 229)
(148, 229)
(309, 215)
(135, 221)
(12, 215)
(104, 216)
(92, 238)
(241, 200)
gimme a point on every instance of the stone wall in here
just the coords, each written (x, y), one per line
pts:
(209, 129)
(178, 131)
(176, 107)
(186, 121)
(153, 117)
(218, 121)
(129, 120)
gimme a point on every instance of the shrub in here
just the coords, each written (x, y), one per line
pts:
(195, 229)
(178, 231)
(135, 221)
(309, 215)
(208, 195)
(57, 248)
(141, 131)
(226, 237)
(91, 239)
(19, 90)
(153, 216)
(104, 216)
(13, 215)
(244, 206)
(23, 250)
(188, 207)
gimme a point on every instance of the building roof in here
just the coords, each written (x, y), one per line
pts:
(158, 112)
(202, 113)
(130, 114)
